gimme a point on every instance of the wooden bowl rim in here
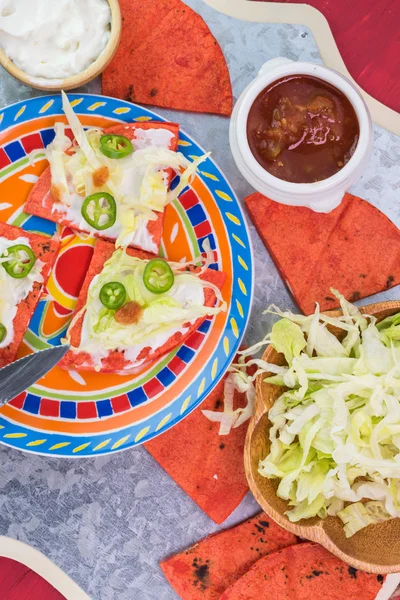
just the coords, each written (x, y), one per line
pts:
(69, 83)
(315, 532)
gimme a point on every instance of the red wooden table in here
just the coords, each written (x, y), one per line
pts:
(18, 582)
(367, 33)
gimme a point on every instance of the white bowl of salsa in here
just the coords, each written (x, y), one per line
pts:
(301, 134)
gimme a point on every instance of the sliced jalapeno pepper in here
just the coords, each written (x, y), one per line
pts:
(3, 332)
(20, 261)
(158, 276)
(99, 210)
(115, 146)
(113, 295)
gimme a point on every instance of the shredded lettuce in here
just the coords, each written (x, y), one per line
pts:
(79, 133)
(288, 338)
(359, 515)
(335, 430)
(190, 169)
(231, 418)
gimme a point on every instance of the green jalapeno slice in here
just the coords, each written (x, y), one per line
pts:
(115, 146)
(113, 295)
(158, 276)
(21, 259)
(99, 210)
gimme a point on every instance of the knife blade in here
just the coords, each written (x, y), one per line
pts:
(24, 372)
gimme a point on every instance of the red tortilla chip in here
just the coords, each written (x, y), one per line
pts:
(40, 201)
(210, 469)
(168, 57)
(354, 249)
(46, 250)
(206, 569)
(115, 361)
(304, 572)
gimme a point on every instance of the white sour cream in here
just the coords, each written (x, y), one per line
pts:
(54, 39)
(13, 291)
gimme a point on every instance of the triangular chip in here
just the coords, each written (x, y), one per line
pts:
(45, 249)
(42, 203)
(168, 57)
(204, 571)
(303, 572)
(207, 466)
(355, 249)
(118, 361)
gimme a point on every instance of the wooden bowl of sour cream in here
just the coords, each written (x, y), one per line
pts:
(95, 68)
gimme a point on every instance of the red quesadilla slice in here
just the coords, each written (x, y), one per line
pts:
(26, 261)
(210, 469)
(127, 180)
(204, 571)
(354, 249)
(168, 57)
(303, 572)
(146, 325)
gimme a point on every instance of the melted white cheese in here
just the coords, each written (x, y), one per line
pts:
(13, 291)
(54, 39)
(152, 137)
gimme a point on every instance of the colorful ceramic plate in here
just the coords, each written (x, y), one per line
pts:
(86, 414)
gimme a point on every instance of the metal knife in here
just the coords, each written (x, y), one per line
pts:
(24, 372)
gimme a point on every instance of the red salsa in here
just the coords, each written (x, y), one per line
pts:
(302, 129)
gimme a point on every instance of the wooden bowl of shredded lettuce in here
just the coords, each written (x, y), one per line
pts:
(323, 448)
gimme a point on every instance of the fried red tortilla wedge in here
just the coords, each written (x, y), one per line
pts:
(210, 469)
(45, 250)
(207, 569)
(168, 57)
(304, 572)
(115, 361)
(41, 199)
(354, 249)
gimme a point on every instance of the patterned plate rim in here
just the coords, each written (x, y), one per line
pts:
(21, 431)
